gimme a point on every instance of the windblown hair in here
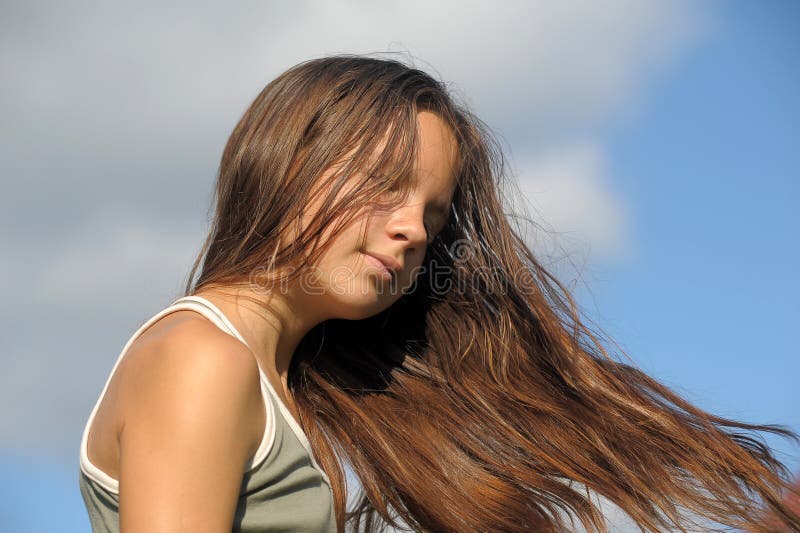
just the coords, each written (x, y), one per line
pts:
(480, 400)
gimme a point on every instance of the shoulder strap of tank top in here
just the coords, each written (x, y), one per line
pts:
(266, 389)
(216, 311)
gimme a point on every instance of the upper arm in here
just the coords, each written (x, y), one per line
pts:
(186, 436)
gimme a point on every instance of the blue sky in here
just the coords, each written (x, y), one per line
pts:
(711, 169)
(676, 146)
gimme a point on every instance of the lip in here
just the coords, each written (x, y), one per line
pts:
(389, 264)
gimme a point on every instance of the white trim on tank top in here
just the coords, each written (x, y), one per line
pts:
(221, 321)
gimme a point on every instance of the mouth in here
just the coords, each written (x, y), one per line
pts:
(387, 267)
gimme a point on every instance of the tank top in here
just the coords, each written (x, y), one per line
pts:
(283, 488)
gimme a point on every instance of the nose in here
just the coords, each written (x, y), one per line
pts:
(406, 224)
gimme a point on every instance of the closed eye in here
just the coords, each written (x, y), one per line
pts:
(430, 234)
(441, 221)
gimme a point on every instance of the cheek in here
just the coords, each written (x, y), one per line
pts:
(343, 246)
(343, 261)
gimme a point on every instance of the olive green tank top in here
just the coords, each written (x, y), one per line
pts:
(283, 487)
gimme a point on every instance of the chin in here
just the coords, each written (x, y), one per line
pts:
(361, 306)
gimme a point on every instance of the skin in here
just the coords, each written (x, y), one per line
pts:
(188, 394)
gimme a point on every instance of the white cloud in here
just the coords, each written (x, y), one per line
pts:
(130, 261)
(152, 74)
(569, 193)
(115, 109)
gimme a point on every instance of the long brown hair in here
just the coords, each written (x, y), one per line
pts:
(481, 400)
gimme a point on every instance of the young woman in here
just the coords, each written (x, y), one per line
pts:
(363, 299)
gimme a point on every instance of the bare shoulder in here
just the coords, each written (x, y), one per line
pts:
(189, 363)
(191, 422)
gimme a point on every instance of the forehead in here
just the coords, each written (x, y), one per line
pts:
(437, 155)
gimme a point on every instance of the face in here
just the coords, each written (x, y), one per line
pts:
(353, 281)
